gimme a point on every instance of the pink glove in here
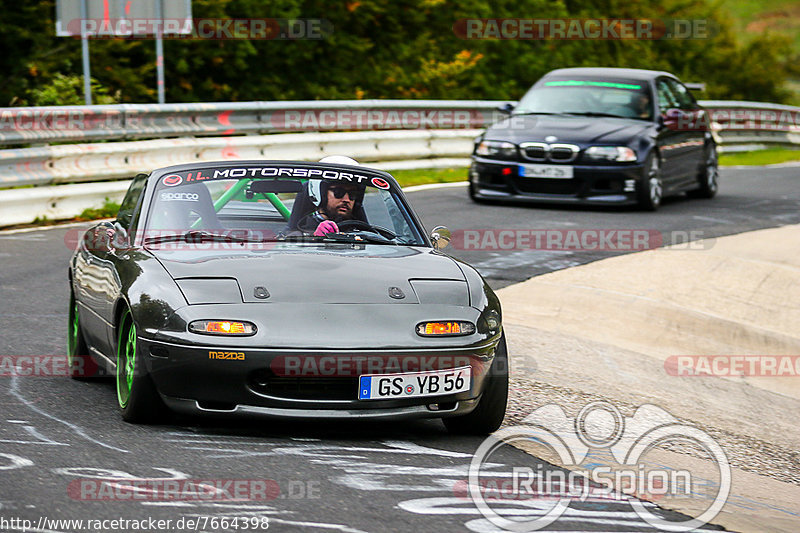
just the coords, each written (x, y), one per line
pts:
(326, 226)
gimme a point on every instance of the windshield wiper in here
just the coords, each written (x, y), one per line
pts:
(593, 114)
(195, 236)
(535, 113)
(358, 237)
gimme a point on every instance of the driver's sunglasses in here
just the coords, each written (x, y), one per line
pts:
(339, 192)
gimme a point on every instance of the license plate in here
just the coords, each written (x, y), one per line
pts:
(545, 171)
(414, 385)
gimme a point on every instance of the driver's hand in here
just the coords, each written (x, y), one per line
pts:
(326, 226)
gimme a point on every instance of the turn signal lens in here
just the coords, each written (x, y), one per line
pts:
(433, 329)
(222, 327)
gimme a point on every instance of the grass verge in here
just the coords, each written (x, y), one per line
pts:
(407, 178)
(770, 156)
(109, 209)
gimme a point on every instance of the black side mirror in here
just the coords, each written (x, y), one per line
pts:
(100, 238)
(120, 240)
(506, 108)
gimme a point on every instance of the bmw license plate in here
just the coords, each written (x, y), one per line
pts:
(414, 385)
(545, 171)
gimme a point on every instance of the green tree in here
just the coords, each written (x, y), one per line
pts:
(380, 49)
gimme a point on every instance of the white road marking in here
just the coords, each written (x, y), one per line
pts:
(15, 462)
(14, 391)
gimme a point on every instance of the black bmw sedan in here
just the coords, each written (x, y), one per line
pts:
(598, 136)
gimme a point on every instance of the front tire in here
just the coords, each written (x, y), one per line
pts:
(708, 176)
(491, 409)
(137, 396)
(80, 365)
(651, 189)
(473, 196)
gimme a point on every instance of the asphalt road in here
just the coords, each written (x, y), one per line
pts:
(57, 433)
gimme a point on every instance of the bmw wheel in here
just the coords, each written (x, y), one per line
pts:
(651, 190)
(491, 409)
(708, 176)
(136, 394)
(473, 195)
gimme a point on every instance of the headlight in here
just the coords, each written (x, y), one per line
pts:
(223, 327)
(611, 153)
(501, 149)
(445, 329)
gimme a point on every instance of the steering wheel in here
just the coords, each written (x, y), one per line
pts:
(360, 224)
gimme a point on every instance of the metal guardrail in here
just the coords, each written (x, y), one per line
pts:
(743, 124)
(753, 124)
(423, 134)
(37, 125)
(42, 125)
(106, 161)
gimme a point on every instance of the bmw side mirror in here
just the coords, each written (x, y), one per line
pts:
(506, 108)
(440, 237)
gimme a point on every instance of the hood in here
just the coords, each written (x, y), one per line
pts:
(578, 130)
(316, 274)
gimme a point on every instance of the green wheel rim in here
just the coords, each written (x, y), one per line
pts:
(73, 334)
(72, 337)
(126, 359)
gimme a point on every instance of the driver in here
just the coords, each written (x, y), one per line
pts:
(641, 105)
(336, 201)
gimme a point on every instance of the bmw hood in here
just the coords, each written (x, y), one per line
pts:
(568, 129)
(332, 274)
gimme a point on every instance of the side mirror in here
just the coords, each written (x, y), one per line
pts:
(120, 241)
(440, 237)
(100, 238)
(506, 108)
(670, 118)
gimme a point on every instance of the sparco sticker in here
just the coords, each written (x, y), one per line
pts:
(180, 196)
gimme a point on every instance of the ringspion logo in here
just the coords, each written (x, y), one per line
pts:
(577, 443)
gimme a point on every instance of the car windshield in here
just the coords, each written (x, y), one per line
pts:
(589, 97)
(210, 204)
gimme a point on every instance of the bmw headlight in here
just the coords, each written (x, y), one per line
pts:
(499, 149)
(611, 153)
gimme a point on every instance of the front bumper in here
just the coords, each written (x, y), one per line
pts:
(598, 185)
(195, 408)
(282, 383)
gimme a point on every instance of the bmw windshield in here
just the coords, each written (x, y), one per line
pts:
(588, 97)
